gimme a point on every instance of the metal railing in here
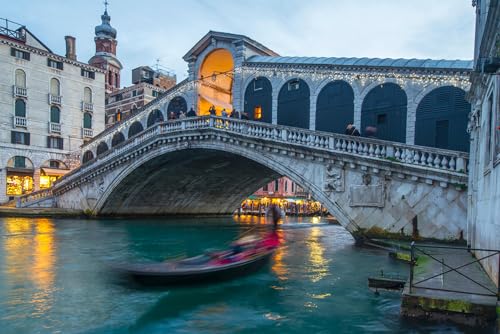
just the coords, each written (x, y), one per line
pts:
(19, 91)
(12, 31)
(447, 268)
(20, 122)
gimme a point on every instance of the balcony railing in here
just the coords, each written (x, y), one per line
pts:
(20, 122)
(19, 91)
(87, 106)
(87, 133)
(55, 99)
(54, 127)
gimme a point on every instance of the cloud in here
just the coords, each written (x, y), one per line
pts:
(153, 29)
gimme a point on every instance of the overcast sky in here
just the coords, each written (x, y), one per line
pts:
(167, 29)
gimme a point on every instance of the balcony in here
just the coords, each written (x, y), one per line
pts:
(54, 127)
(55, 99)
(87, 106)
(19, 91)
(87, 133)
(20, 122)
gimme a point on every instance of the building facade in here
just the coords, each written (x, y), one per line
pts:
(484, 127)
(148, 84)
(49, 105)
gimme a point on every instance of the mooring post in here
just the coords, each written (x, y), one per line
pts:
(412, 263)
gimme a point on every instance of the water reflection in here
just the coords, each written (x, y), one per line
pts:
(29, 252)
(279, 267)
(318, 264)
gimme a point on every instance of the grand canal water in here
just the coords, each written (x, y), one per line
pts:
(55, 277)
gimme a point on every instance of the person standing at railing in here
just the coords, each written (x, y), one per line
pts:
(212, 110)
(352, 131)
(191, 113)
(235, 114)
(224, 112)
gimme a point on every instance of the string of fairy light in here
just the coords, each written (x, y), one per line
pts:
(403, 78)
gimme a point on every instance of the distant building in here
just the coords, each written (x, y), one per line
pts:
(49, 105)
(484, 127)
(281, 188)
(147, 85)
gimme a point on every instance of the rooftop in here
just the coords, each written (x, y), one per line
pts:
(367, 62)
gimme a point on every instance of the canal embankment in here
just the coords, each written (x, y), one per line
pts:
(7, 211)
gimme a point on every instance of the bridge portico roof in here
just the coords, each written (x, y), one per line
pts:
(367, 62)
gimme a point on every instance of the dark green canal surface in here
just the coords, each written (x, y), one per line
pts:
(56, 277)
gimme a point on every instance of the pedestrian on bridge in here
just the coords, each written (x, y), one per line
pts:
(352, 131)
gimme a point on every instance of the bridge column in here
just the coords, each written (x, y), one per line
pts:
(3, 185)
(411, 116)
(357, 112)
(275, 109)
(312, 111)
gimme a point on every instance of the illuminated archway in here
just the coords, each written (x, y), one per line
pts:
(216, 82)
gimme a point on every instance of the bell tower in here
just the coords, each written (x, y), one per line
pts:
(105, 52)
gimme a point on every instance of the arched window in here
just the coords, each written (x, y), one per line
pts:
(87, 120)
(117, 80)
(87, 156)
(441, 119)
(20, 108)
(20, 78)
(154, 117)
(177, 105)
(55, 114)
(384, 111)
(117, 139)
(55, 88)
(259, 100)
(293, 104)
(110, 78)
(101, 148)
(87, 95)
(134, 129)
(335, 107)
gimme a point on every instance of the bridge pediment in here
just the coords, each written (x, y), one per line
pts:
(212, 38)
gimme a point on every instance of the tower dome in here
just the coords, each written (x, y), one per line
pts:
(105, 29)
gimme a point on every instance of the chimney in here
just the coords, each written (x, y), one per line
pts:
(70, 47)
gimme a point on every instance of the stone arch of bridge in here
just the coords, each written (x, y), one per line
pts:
(213, 174)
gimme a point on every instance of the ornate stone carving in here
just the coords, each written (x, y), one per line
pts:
(334, 178)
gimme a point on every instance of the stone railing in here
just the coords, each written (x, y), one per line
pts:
(87, 133)
(19, 91)
(87, 106)
(20, 122)
(33, 197)
(55, 99)
(445, 160)
(54, 127)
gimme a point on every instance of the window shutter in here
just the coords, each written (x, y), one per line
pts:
(48, 142)
(26, 55)
(13, 52)
(27, 138)
(13, 137)
(60, 65)
(92, 75)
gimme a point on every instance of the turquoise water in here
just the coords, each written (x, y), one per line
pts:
(55, 277)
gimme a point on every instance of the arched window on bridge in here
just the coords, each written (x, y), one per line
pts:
(384, 109)
(335, 107)
(259, 100)
(293, 104)
(441, 119)
(135, 128)
(101, 148)
(87, 156)
(177, 105)
(117, 139)
(155, 116)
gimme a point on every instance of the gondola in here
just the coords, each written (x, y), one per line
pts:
(198, 269)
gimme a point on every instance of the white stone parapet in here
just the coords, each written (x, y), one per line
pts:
(55, 99)
(19, 91)
(54, 127)
(19, 121)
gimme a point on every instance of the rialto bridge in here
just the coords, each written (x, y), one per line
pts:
(410, 179)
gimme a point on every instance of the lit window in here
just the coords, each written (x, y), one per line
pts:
(19, 184)
(257, 113)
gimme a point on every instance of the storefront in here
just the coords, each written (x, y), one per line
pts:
(50, 172)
